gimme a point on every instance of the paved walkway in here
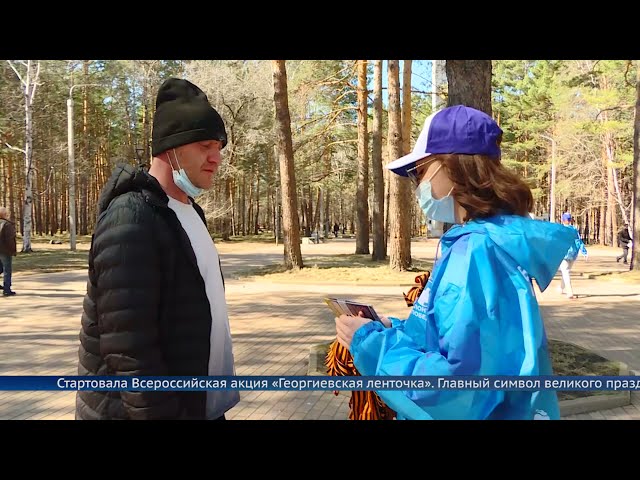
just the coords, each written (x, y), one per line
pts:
(274, 325)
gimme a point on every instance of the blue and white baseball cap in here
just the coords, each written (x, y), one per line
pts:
(456, 129)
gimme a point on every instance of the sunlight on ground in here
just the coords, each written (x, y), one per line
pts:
(339, 269)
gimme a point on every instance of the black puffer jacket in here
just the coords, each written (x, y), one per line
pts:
(146, 310)
(624, 237)
(7, 238)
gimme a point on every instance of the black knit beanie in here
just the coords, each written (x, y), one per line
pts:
(184, 115)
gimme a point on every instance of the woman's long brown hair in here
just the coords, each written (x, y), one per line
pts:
(485, 187)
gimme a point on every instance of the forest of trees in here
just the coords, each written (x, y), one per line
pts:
(308, 139)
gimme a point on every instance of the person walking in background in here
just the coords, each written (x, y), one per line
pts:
(155, 302)
(625, 242)
(577, 247)
(8, 250)
(478, 314)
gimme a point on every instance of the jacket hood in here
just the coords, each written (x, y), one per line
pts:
(127, 178)
(536, 246)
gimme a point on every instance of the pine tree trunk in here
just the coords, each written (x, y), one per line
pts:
(399, 213)
(303, 214)
(64, 204)
(309, 212)
(29, 91)
(379, 242)
(318, 218)
(248, 215)
(327, 217)
(243, 206)
(603, 210)
(612, 206)
(291, 227)
(233, 214)
(37, 204)
(11, 180)
(406, 107)
(268, 209)
(226, 222)
(610, 220)
(618, 196)
(53, 225)
(469, 83)
(406, 135)
(4, 180)
(362, 186)
(635, 216)
(256, 223)
(387, 201)
(146, 124)
(85, 155)
(83, 198)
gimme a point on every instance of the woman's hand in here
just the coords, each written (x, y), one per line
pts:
(346, 325)
(385, 321)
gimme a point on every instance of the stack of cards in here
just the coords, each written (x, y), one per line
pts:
(341, 306)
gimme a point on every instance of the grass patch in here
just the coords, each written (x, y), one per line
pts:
(571, 360)
(631, 276)
(264, 237)
(63, 237)
(338, 269)
(47, 260)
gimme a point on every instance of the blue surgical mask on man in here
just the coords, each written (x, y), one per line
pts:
(182, 181)
(443, 209)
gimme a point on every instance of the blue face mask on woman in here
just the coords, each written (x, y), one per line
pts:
(182, 181)
(443, 209)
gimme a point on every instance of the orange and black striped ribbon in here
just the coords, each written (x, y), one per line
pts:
(366, 405)
(414, 292)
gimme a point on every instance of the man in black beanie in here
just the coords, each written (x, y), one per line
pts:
(155, 302)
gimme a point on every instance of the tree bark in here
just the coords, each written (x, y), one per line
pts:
(3, 160)
(469, 83)
(226, 221)
(243, 205)
(362, 187)
(406, 107)
(399, 211)
(635, 226)
(29, 84)
(406, 140)
(291, 226)
(248, 214)
(379, 243)
(256, 229)
(602, 229)
(607, 158)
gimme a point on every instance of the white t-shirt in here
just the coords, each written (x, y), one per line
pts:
(221, 355)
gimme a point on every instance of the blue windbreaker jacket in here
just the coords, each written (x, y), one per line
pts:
(577, 246)
(478, 315)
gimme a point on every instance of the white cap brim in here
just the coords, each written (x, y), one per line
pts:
(402, 164)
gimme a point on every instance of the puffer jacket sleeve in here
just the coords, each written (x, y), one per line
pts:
(127, 273)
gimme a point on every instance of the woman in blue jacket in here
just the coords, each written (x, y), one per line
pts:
(478, 314)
